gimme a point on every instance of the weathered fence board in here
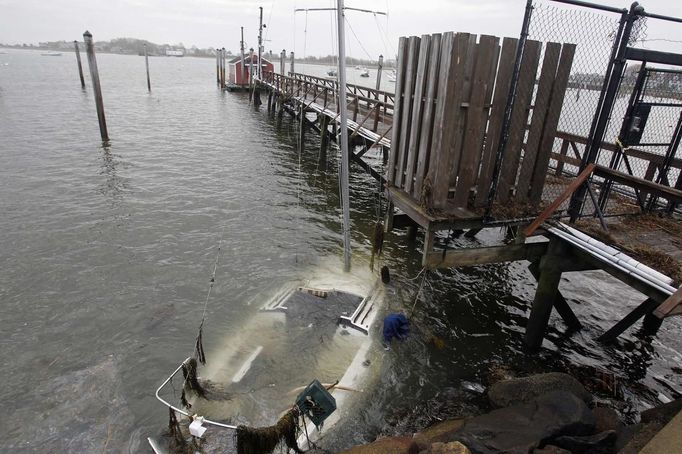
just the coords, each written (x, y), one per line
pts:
(406, 114)
(537, 122)
(492, 139)
(477, 116)
(397, 107)
(417, 109)
(427, 117)
(551, 122)
(519, 119)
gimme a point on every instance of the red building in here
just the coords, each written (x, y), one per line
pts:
(237, 77)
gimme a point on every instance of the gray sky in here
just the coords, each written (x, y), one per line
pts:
(216, 22)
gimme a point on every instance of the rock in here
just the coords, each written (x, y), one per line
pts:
(520, 390)
(524, 427)
(390, 445)
(606, 419)
(551, 449)
(438, 432)
(598, 443)
(663, 413)
(454, 447)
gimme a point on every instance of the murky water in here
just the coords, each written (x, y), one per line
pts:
(106, 255)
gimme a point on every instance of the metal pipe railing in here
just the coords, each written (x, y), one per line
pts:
(183, 412)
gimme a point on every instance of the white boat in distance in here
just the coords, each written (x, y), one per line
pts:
(364, 72)
(51, 54)
(332, 72)
(392, 76)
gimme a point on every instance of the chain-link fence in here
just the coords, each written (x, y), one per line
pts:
(601, 101)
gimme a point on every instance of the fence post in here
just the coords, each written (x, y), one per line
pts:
(146, 62)
(80, 66)
(94, 75)
(607, 98)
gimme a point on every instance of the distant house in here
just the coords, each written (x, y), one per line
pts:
(174, 53)
(237, 77)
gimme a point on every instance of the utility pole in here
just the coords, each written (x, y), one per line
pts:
(260, 44)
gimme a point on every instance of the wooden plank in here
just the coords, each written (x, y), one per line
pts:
(551, 122)
(560, 161)
(485, 255)
(440, 131)
(426, 136)
(449, 118)
(397, 108)
(519, 119)
(492, 137)
(417, 109)
(467, 84)
(405, 123)
(537, 123)
(477, 117)
(659, 190)
(668, 306)
(575, 184)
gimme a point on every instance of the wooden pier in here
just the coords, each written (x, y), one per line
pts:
(450, 165)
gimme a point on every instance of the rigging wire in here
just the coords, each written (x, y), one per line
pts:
(358, 39)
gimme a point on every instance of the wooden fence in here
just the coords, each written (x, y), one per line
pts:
(451, 93)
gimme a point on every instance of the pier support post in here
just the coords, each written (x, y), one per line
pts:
(560, 303)
(80, 65)
(291, 68)
(269, 101)
(94, 75)
(282, 57)
(381, 64)
(324, 134)
(217, 67)
(146, 63)
(545, 295)
(651, 324)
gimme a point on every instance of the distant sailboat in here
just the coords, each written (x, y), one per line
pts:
(392, 76)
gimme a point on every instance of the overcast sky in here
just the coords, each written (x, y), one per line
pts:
(212, 23)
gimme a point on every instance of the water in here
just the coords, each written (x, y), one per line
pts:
(106, 254)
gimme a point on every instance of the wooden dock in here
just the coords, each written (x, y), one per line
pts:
(460, 146)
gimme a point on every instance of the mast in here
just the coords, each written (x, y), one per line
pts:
(241, 46)
(260, 44)
(343, 137)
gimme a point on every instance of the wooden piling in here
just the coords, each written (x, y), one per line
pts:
(80, 65)
(381, 64)
(222, 67)
(282, 57)
(94, 75)
(217, 66)
(291, 68)
(324, 133)
(545, 295)
(146, 63)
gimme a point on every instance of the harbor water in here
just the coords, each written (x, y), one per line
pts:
(107, 251)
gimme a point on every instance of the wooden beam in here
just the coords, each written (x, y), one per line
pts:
(629, 320)
(560, 303)
(665, 192)
(485, 255)
(575, 184)
(671, 306)
(545, 295)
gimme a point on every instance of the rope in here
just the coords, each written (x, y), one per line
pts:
(199, 347)
(358, 39)
(423, 272)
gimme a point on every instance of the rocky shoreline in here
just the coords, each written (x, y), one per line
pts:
(543, 413)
